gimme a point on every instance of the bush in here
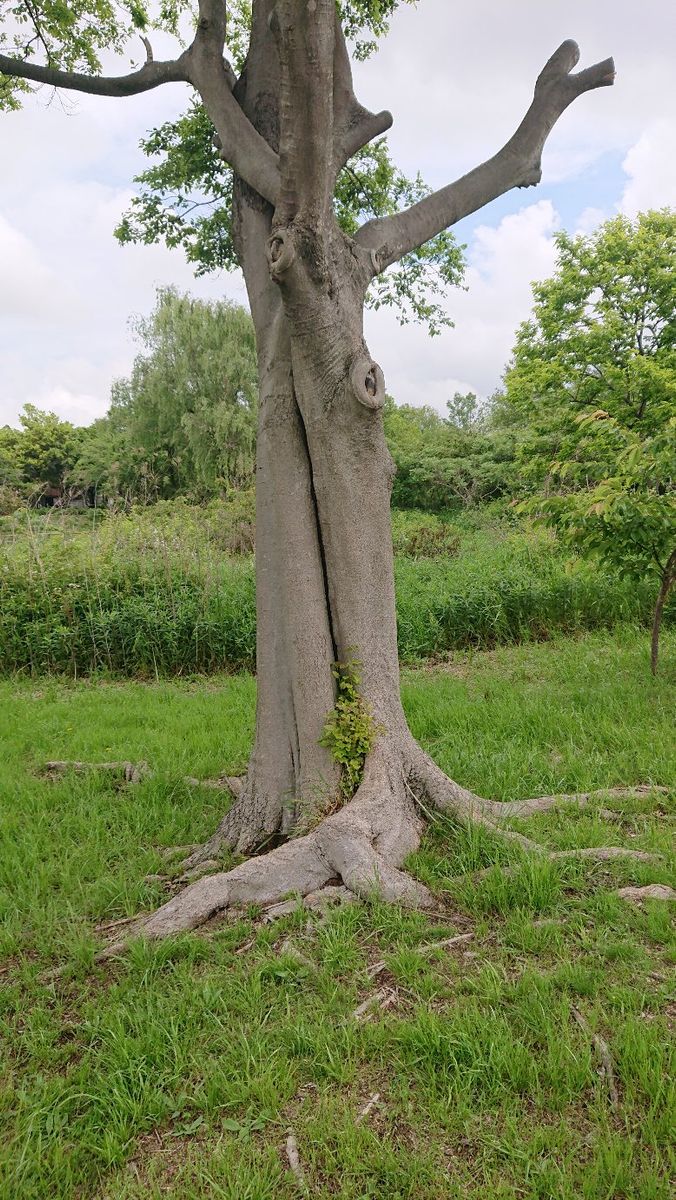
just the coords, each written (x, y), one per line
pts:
(160, 591)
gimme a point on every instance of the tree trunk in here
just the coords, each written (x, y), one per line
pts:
(662, 596)
(324, 562)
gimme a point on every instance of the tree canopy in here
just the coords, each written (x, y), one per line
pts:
(593, 383)
(184, 422)
(185, 196)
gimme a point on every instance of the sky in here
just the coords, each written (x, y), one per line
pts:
(457, 77)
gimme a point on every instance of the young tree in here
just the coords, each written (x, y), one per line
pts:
(325, 592)
(593, 382)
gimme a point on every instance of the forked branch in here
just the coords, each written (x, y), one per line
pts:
(517, 164)
(151, 75)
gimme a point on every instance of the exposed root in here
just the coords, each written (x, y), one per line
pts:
(591, 853)
(606, 854)
(544, 804)
(326, 898)
(294, 867)
(652, 891)
(247, 825)
(294, 1161)
(362, 846)
(603, 1052)
(223, 783)
(127, 772)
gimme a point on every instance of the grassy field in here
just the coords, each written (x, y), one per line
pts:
(160, 591)
(177, 1071)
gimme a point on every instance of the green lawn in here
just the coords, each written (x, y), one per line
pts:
(178, 1070)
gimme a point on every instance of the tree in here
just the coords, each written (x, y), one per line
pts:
(43, 452)
(463, 460)
(287, 125)
(186, 418)
(593, 382)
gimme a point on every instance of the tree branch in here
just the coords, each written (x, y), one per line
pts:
(517, 164)
(151, 75)
(353, 125)
(241, 145)
(201, 65)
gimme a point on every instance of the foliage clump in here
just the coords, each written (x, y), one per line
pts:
(350, 730)
(593, 382)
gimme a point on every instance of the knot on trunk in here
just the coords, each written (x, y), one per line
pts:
(280, 254)
(368, 383)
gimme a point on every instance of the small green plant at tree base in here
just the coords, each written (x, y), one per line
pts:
(350, 730)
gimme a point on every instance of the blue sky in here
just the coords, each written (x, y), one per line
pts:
(458, 78)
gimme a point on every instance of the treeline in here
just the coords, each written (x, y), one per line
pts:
(582, 435)
(183, 423)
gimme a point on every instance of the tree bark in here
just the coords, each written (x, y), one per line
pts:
(668, 577)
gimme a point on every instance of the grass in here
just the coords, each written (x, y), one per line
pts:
(177, 1070)
(159, 592)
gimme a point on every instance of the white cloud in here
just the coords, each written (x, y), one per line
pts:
(69, 292)
(651, 167)
(27, 283)
(589, 220)
(503, 262)
(467, 72)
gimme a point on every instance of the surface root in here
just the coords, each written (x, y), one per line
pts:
(357, 851)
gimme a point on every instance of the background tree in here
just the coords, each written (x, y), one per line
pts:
(593, 383)
(190, 403)
(288, 125)
(465, 459)
(39, 455)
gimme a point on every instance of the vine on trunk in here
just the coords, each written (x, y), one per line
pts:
(350, 730)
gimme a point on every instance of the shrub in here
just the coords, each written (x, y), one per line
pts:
(159, 591)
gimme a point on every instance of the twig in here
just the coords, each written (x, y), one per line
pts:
(377, 969)
(246, 947)
(603, 1052)
(446, 944)
(368, 1107)
(377, 1000)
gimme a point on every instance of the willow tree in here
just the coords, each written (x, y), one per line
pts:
(287, 124)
